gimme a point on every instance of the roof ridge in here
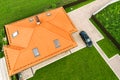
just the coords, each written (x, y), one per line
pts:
(15, 63)
(31, 36)
(52, 53)
(57, 28)
(26, 47)
(15, 57)
(54, 16)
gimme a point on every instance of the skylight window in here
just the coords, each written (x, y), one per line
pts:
(15, 34)
(36, 52)
(56, 43)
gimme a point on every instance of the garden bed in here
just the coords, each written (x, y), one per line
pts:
(106, 44)
(110, 19)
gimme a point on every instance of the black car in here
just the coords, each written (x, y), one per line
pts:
(86, 38)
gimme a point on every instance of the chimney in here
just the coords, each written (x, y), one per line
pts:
(37, 20)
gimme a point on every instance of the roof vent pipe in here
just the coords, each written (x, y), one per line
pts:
(48, 14)
(37, 20)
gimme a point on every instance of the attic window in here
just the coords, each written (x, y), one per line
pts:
(56, 43)
(15, 34)
(36, 52)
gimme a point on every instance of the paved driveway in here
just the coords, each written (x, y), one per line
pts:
(80, 19)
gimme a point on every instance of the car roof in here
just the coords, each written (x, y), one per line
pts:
(82, 32)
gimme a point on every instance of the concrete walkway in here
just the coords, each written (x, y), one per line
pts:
(26, 74)
(80, 18)
(114, 62)
(3, 70)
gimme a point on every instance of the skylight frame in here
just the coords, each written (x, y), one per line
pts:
(15, 34)
(36, 52)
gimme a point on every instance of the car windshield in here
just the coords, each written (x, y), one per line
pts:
(88, 40)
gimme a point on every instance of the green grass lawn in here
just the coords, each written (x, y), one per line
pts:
(110, 18)
(2, 34)
(106, 44)
(15, 10)
(78, 5)
(85, 64)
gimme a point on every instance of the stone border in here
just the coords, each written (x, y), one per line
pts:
(113, 1)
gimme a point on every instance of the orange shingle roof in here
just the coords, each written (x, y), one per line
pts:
(56, 26)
